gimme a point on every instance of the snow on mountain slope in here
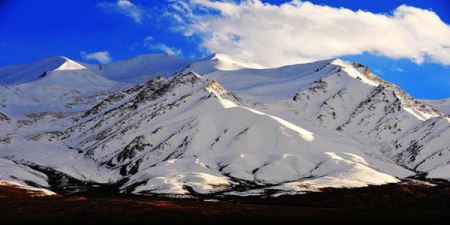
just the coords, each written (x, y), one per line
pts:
(144, 67)
(12, 174)
(44, 96)
(290, 129)
(277, 83)
(219, 62)
(191, 132)
(441, 105)
(336, 96)
(406, 130)
(59, 84)
(64, 86)
(17, 74)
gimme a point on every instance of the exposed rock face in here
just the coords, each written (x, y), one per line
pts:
(375, 112)
(4, 117)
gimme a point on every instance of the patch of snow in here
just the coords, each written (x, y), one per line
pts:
(31, 190)
(12, 174)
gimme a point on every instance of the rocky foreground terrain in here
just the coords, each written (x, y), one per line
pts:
(407, 202)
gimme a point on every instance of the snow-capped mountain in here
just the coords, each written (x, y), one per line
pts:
(226, 127)
(17, 74)
(347, 98)
(219, 62)
(55, 84)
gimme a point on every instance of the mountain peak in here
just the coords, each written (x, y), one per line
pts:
(189, 76)
(221, 62)
(68, 64)
(226, 62)
(23, 73)
(56, 63)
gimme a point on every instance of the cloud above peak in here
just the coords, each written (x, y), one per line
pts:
(126, 8)
(298, 31)
(151, 44)
(102, 57)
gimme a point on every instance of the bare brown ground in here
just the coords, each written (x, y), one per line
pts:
(395, 203)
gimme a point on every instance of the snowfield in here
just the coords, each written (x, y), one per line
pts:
(156, 124)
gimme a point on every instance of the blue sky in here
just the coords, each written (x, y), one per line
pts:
(30, 30)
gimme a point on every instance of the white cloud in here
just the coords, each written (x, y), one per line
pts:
(298, 31)
(102, 57)
(397, 69)
(126, 8)
(150, 43)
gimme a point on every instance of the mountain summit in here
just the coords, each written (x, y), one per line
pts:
(17, 74)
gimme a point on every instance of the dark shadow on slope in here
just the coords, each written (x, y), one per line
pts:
(67, 185)
(405, 203)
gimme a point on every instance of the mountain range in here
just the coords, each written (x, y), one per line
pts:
(158, 124)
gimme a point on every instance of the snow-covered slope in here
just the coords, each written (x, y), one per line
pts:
(13, 174)
(55, 84)
(339, 97)
(17, 74)
(277, 83)
(191, 132)
(226, 127)
(216, 62)
(59, 84)
(441, 105)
